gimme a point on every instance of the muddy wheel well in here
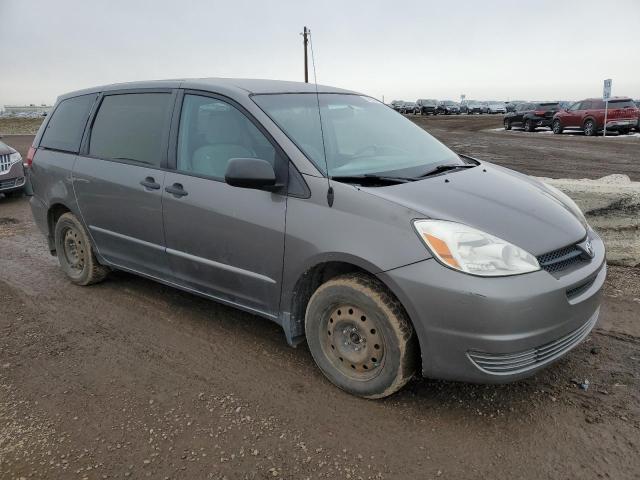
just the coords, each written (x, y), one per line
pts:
(55, 212)
(311, 280)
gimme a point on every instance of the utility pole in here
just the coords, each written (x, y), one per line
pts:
(305, 37)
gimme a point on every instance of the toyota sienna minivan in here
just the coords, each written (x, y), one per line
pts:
(327, 213)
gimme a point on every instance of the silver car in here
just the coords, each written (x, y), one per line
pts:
(12, 178)
(327, 213)
(496, 107)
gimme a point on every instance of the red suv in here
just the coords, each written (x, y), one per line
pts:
(588, 116)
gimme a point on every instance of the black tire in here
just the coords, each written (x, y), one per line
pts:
(528, 126)
(589, 128)
(360, 336)
(556, 127)
(507, 124)
(75, 252)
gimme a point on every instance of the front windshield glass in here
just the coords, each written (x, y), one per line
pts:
(361, 135)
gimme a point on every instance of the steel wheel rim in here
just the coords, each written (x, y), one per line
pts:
(73, 249)
(353, 342)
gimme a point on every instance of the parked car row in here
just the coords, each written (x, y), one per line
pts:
(622, 116)
(431, 106)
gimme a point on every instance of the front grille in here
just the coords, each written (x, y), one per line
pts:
(560, 259)
(5, 163)
(519, 362)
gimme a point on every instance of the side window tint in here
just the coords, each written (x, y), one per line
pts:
(131, 127)
(575, 106)
(65, 128)
(586, 105)
(212, 132)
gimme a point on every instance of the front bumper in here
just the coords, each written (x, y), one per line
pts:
(13, 178)
(542, 121)
(494, 330)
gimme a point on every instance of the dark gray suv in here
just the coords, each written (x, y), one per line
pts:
(327, 213)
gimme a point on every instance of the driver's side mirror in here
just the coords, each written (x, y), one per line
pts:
(250, 173)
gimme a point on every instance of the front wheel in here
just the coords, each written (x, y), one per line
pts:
(360, 336)
(75, 252)
(556, 126)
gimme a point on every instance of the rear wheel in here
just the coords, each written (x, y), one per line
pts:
(589, 128)
(529, 126)
(556, 126)
(75, 252)
(507, 124)
(360, 336)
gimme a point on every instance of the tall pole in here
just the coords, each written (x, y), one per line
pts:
(305, 36)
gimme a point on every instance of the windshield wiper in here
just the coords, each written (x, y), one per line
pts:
(445, 168)
(371, 178)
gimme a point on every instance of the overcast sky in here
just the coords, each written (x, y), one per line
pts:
(399, 49)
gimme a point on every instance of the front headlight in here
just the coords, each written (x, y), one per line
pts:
(568, 203)
(15, 157)
(472, 251)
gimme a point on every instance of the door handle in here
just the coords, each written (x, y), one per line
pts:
(176, 190)
(150, 184)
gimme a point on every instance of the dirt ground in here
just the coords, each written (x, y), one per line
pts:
(13, 126)
(132, 379)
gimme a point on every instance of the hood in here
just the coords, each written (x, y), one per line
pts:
(496, 200)
(5, 149)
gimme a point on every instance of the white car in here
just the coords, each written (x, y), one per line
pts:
(496, 107)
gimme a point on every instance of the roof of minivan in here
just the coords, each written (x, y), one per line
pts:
(246, 85)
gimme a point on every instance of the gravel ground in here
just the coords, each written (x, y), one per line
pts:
(132, 379)
(570, 155)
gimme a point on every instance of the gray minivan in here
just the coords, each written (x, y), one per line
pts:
(327, 213)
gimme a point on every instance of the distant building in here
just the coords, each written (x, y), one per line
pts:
(28, 110)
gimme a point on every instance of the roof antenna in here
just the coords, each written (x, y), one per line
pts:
(330, 194)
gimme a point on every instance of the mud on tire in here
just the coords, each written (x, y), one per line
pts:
(75, 252)
(360, 336)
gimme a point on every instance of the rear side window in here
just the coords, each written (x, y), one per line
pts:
(64, 130)
(621, 104)
(132, 127)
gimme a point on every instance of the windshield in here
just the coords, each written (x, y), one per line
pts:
(361, 135)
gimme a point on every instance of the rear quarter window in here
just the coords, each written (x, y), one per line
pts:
(66, 126)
